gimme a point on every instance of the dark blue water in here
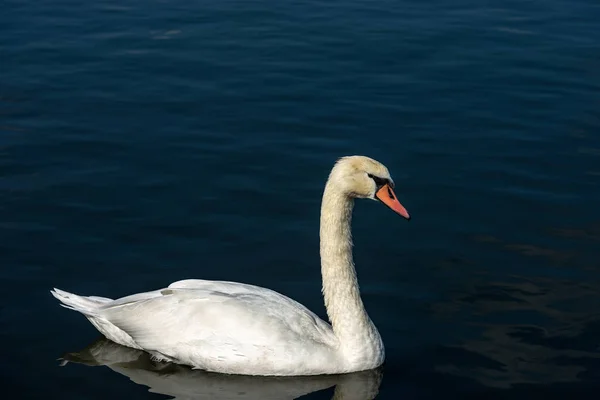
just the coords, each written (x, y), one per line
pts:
(143, 142)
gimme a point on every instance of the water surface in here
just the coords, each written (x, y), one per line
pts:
(147, 142)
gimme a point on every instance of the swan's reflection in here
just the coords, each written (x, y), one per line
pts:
(183, 383)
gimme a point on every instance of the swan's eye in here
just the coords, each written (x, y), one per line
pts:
(378, 181)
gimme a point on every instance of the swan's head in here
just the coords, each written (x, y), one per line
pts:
(363, 177)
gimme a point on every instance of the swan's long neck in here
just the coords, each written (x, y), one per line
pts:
(359, 339)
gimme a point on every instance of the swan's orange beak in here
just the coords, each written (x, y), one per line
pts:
(387, 196)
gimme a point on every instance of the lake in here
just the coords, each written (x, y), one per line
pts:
(144, 142)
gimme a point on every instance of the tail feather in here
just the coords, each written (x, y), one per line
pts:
(91, 308)
(86, 305)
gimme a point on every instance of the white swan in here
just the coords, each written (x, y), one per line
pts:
(236, 328)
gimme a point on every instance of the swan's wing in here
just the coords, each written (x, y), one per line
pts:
(256, 294)
(221, 329)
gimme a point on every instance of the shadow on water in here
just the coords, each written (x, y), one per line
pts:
(529, 329)
(525, 334)
(181, 382)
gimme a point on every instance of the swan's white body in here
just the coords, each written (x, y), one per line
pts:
(237, 328)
